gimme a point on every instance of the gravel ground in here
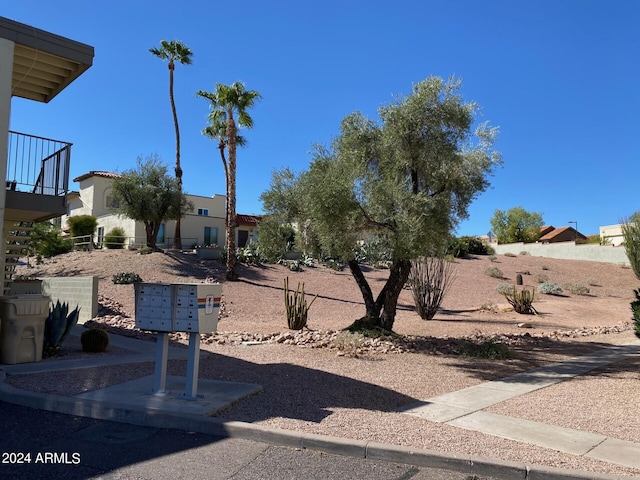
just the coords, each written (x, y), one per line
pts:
(325, 382)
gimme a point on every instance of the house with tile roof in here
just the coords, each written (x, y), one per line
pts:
(204, 225)
(551, 234)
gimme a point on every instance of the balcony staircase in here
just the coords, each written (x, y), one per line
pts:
(16, 240)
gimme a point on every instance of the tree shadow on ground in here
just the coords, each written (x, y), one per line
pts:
(528, 353)
(294, 391)
(187, 266)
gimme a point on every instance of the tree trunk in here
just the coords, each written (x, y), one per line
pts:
(231, 200)
(152, 233)
(365, 289)
(177, 240)
(388, 298)
(221, 147)
(382, 312)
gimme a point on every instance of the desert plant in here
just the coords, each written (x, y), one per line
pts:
(576, 288)
(510, 254)
(635, 308)
(115, 238)
(489, 306)
(542, 277)
(487, 349)
(47, 241)
(593, 282)
(145, 250)
(348, 341)
(492, 257)
(57, 327)
(631, 235)
(494, 272)
(126, 278)
(504, 288)
(94, 340)
(524, 252)
(521, 300)
(549, 288)
(430, 279)
(296, 306)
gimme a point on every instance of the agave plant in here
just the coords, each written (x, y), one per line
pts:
(57, 327)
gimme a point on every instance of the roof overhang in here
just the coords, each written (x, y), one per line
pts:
(43, 63)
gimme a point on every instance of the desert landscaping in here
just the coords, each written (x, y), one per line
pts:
(324, 381)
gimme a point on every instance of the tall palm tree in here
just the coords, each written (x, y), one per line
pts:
(226, 102)
(218, 131)
(174, 51)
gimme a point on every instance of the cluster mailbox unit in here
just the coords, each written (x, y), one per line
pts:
(181, 307)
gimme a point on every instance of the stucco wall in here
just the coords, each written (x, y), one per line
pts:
(568, 251)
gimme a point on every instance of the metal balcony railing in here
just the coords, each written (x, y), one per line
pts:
(37, 165)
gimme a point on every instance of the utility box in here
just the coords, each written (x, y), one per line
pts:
(182, 307)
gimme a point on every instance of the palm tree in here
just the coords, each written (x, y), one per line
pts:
(174, 51)
(226, 101)
(218, 131)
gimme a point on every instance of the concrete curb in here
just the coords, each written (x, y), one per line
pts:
(468, 464)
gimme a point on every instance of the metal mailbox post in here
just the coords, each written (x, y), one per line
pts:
(181, 307)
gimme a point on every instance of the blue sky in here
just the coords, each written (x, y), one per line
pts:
(559, 77)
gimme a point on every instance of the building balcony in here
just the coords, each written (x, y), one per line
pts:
(37, 178)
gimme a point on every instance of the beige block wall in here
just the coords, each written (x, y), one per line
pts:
(81, 291)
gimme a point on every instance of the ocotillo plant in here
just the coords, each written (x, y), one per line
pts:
(295, 306)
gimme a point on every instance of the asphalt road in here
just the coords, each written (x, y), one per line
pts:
(39, 444)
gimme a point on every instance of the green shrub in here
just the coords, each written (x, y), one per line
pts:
(494, 272)
(524, 252)
(549, 288)
(635, 308)
(467, 245)
(488, 349)
(492, 257)
(631, 235)
(509, 254)
(115, 238)
(144, 250)
(576, 288)
(126, 278)
(80, 225)
(47, 241)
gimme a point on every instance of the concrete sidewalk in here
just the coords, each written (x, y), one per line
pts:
(135, 402)
(463, 408)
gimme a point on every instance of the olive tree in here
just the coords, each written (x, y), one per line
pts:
(405, 179)
(148, 194)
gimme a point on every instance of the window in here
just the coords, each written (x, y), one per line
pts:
(203, 211)
(243, 238)
(210, 236)
(160, 237)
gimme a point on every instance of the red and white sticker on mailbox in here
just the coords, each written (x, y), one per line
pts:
(209, 303)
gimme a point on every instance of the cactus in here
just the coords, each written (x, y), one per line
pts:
(94, 340)
(296, 306)
(520, 300)
(57, 327)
